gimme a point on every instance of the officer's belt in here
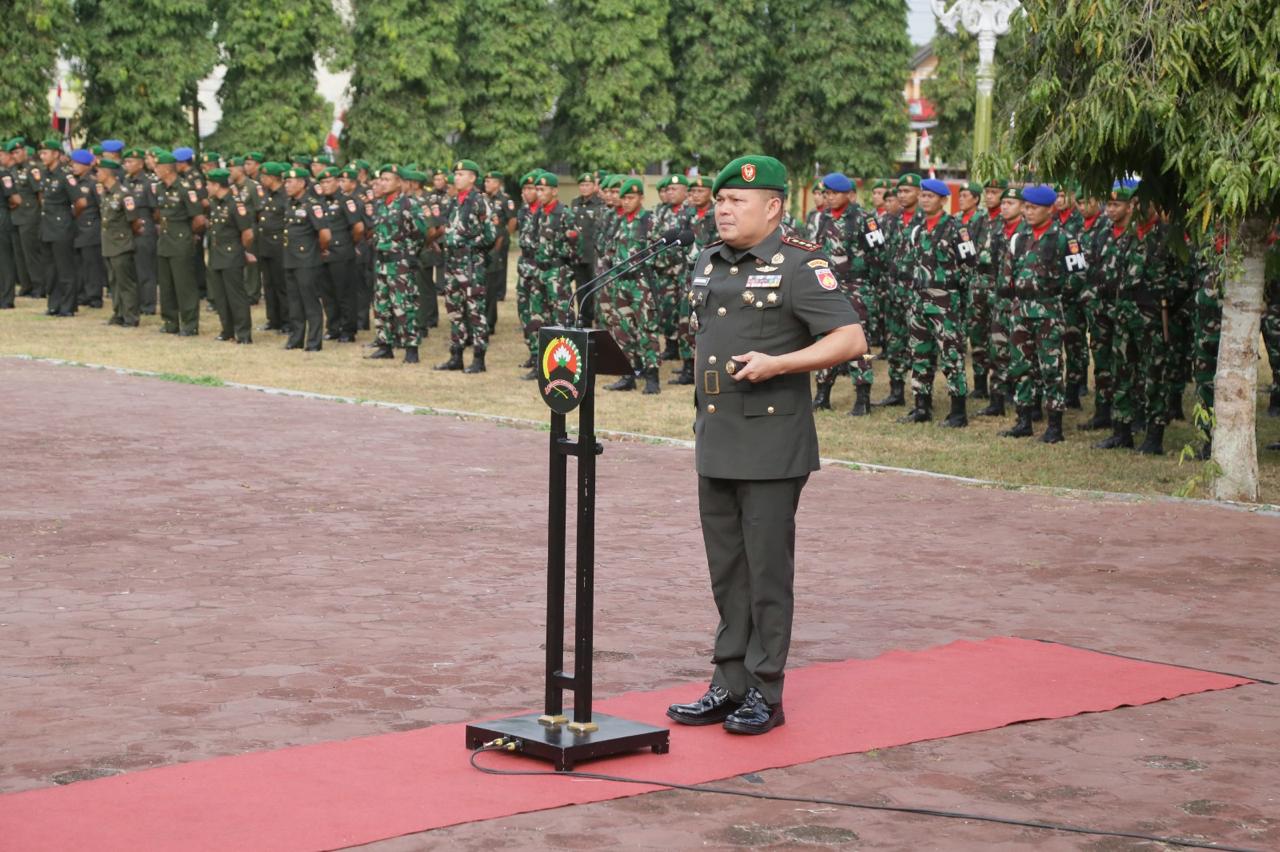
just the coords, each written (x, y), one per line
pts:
(718, 381)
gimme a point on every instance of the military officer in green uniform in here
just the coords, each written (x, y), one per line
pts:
(306, 243)
(24, 206)
(121, 223)
(180, 219)
(140, 184)
(767, 310)
(230, 236)
(57, 228)
(91, 271)
(8, 234)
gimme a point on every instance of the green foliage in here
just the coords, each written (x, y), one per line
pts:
(953, 93)
(511, 83)
(30, 39)
(721, 52)
(406, 102)
(141, 61)
(1204, 422)
(834, 98)
(269, 97)
(617, 103)
(1185, 93)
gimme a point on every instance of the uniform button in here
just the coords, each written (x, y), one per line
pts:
(733, 270)
(711, 359)
(711, 409)
(721, 312)
(759, 304)
(769, 409)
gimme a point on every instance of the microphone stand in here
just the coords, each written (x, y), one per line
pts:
(651, 251)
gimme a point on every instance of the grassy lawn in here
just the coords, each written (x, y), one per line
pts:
(340, 369)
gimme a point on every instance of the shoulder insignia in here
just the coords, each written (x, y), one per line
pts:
(818, 263)
(35, 174)
(129, 203)
(317, 211)
(707, 271)
(242, 210)
(262, 193)
(192, 197)
(787, 239)
(964, 235)
(1073, 246)
(8, 182)
(351, 205)
(826, 279)
(511, 205)
(71, 181)
(368, 209)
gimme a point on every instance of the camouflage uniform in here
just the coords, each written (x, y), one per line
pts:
(527, 272)
(399, 230)
(1000, 290)
(940, 257)
(702, 221)
(1074, 345)
(670, 272)
(470, 233)
(1207, 308)
(1098, 298)
(555, 254)
(1140, 351)
(504, 210)
(899, 295)
(627, 301)
(977, 300)
(853, 242)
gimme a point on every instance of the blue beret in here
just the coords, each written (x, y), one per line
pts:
(83, 157)
(112, 146)
(935, 186)
(1041, 194)
(837, 182)
(183, 155)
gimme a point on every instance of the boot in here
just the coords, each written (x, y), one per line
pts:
(531, 376)
(995, 408)
(1101, 418)
(411, 354)
(979, 385)
(455, 360)
(527, 364)
(1205, 451)
(477, 364)
(1175, 408)
(381, 351)
(1037, 412)
(922, 413)
(895, 397)
(1139, 423)
(822, 399)
(1273, 408)
(1021, 429)
(626, 383)
(862, 402)
(1053, 433)
(651, 383)
(1121, 436)
(671, 353)
(1153, 443)
(957, 419)
(1274, 445)
(685, 376)
(1073, 395)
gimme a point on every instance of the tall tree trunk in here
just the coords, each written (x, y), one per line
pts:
(1235, 438)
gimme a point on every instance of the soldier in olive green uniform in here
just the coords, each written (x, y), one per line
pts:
(24, 204)
(140, 185)
(57, 228)
(588, 209)
(306, 242)
(8, 234)
(230, 234)
(756, 441)
(91, 270)
(527, 266)
(345, 219)
(250, 193)
(271, 246)
(121, 221)
(180, 217)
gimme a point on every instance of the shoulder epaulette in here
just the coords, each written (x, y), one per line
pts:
(801, 244)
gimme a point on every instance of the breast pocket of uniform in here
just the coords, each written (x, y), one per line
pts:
(766, 303)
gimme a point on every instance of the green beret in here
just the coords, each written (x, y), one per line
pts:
(113, 165)
(296, 173)
(96, 150)
(817, 186)
(388, 167)
(13, 144)
(528, 178)
(349, 173)
(449, 178)
(156, 151)
(443, 173)
(323, 159)
(256, 156)
(753, 171)
(547, 179)
(678, 179)
(362, 164)
(166, 158)
(31, 152)
(665, 182)
(891, 189)
(973, 187)
(300, 160)
(630, 185)
(601, 174)
(132, 154)
(997, 183)
(414, 175)
(587, 177)
(700, 181)
(222, 177)
(1122, 193)
(496, 175)
(909, 179)
(467, 166)
(331, 172)
(52, 143)
(236, 161)
(274, 169)
(211, 157)
(1011, 192)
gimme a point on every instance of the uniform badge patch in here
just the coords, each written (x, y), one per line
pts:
(765, 268)
(1073, 247)
(778, 258)
(71, 181)
(707, 270)
(765, 280)
(351, 205)
(8, 182)
(368, 210)
(818, 263)
(129, 202)
(317, 211)
(192, 197)
(748, 172)
(242, 210)
(826, 279)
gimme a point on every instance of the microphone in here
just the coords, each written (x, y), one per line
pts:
(669, 239)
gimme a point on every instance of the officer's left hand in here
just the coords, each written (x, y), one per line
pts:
(757, 367)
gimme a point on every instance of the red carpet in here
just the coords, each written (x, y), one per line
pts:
(340, 794)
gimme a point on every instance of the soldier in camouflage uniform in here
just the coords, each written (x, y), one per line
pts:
(898, 295)
(399, 229)
(496, 259)
(1039, 260)
(1271, 319)
(555, 254)
(813, 222)
(526, 265)
(941, 253)
(627, 301)
(121, 222)
(1093, 234)
(1075, 346)
(670, 269)
(977, 299)
(470, 233)
(699, 217)
(990, 262)
(230, 236)
(1109, 262)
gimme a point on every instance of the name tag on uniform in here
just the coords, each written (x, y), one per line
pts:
(764, 281)
(701, 282)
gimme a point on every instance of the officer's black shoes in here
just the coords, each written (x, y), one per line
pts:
(1274, 445)
(531, 376)
(995, 408)
(188, 332)
(346, 338)
(1037, 413)
(288, 346)
(1021, 429)
(861, 402)
(685, 375)
(1053, 434)
(1101, 418)
(895, 397)
(223, 337)
(455, 360)
(477, 364)
(411, 354)
(979, 385)
(315, 348)
(755, 716)
(671, 353)
(1073, 395)
(1273, 407)
(957, 419)
(1121, 436)
(527, 364)
(1153, 441)
(922, 413)
(822, 398)
(714, 706)
(329, 335)
(652, 384)
(245, 342)
(381, 352)
(626, 383)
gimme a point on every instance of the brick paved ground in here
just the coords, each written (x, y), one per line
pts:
(189, 571)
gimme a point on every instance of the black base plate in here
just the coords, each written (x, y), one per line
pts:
(562, 746)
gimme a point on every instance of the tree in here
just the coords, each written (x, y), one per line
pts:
(1186, 94)
(513, 50)
(141, 61)
(835, 94)
(721, 52)
(31, 39)
(406, 103)
(617, 102)
(269, 97)
(952, 92)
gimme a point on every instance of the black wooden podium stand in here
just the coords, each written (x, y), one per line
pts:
(568, 363)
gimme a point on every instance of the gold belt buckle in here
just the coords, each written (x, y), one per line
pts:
(711, 382)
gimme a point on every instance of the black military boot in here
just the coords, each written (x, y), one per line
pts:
(1037, 412)
(1121, 436)
(1053, 432)
(922, 413)
(1021, 429)
(1273, 408)
(651, 383)
(1175, 408)
(957, 419)
(455, 360)
(531, 376)
(995, 408)
(527, 364)
(1153, 442)
(1073, 395)
(895, 397)
(671, 353)
(1101, 418)
(685, 376)
(381, 351)
(477, 364)
(979, 385)
(626, 383)
(862, 402)
(1205, 451)
(822, 398)
(411, 354)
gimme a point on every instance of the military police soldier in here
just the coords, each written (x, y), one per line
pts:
(140, 185)
(91, 270)
(761, 301)
(122, 221)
